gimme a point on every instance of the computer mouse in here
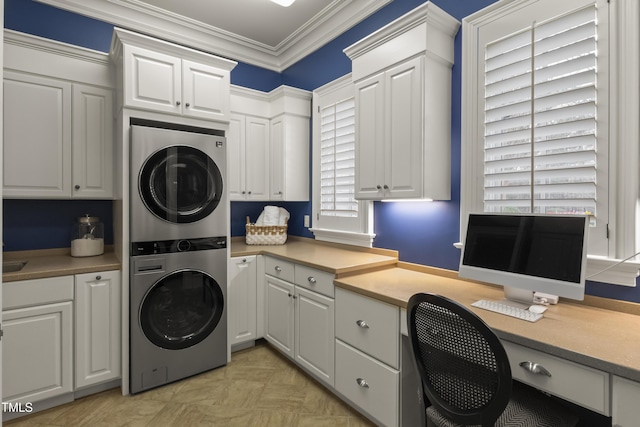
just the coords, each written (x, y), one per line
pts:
(536, 308)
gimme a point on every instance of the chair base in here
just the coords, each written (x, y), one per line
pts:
(527, 407)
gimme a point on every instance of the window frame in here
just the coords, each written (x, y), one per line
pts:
(623, 111)
(352, 231)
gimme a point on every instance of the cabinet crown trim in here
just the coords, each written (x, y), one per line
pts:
(124, 37)
(428, 13)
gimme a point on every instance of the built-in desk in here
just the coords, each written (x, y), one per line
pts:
(595, 341)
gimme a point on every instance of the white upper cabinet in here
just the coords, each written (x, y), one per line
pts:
(402, 75)
(290, 112)
(248, 149)
(92, 142)
(163, 77)
(269, 144)
(58, 126)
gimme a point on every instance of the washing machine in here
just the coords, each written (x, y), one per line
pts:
(178, 322)
(176, 182)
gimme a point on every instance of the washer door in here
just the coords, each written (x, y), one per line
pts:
(180, 184)
(181, 309)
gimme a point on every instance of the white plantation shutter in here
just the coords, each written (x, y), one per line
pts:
(337, 160)
(541, 125)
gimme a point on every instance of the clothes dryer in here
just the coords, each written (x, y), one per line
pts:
(176, 182)
(178, 319)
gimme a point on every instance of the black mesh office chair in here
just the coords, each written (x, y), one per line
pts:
(465, 371)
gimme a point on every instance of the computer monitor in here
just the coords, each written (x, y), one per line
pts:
(534, 253)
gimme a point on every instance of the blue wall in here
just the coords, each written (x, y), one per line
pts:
(423, 233)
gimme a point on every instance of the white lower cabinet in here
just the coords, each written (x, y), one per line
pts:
(56, 329)
(37, 346)
(368, 355)
(368, 383)
(279, 314)
(300, 322)
(626, 395)
(97, 328)
(583, 385)
(242, 300)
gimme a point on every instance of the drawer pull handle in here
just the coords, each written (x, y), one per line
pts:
(362, 324)
(362, 383)
(312, 280)
(278, 268)
(534, 368)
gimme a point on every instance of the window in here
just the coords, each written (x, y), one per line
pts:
(539, 122)
(338, 216)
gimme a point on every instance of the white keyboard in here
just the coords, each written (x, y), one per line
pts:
(508, 310)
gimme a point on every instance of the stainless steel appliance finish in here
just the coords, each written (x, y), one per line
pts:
(177, 182)
(178, 315)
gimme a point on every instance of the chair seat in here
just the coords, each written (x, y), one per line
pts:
(526, 408)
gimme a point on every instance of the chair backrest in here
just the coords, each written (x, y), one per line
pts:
(463, 366)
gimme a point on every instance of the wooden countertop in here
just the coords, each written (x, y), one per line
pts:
(595, 336)
(340, 260)
(57, 262)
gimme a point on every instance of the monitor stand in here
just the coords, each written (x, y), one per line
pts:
(516, 297)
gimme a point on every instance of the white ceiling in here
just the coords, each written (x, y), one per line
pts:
(261, 21)
(257, 32)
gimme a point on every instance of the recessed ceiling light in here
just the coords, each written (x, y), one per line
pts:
(285, 3)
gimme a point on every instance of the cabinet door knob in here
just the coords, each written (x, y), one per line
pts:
(77, 187)
(277, 268)
(98, 277)
(362, 383)
(311, 280)
(534, 368)
(378, 187)
(249, 192)
(244, 260)
(386, 187)
(187, 105)
(178, 103)
(362, 324)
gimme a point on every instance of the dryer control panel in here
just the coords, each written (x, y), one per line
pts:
(178, 245)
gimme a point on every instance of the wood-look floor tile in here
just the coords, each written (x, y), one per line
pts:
(259, 387)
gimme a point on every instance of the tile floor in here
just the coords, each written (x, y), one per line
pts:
(259, 387)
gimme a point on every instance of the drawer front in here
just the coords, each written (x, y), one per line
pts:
(367, 383)
(279, 268)
(369, 325)
(315, 280)
(25, 293)
(577, 383)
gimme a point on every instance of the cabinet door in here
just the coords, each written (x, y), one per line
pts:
(152, 80)
(370, 153)
(37, 355)
(236, 157)
(98, 330)
(93, 145)
(37, 137)
(277, 154)
(403, 130)
(279, 314)
(315, 336)
(626, 395)
(257, 159)
(289, 158)
(242, 300)
(205, 91)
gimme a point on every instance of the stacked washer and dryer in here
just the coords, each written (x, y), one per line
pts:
(178, 264)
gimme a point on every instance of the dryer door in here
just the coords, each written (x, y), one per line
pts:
(180, 184)
(181, 309)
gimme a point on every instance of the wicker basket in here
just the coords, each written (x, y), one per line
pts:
(265, 234)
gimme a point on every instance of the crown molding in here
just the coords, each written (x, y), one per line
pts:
(335, 19)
